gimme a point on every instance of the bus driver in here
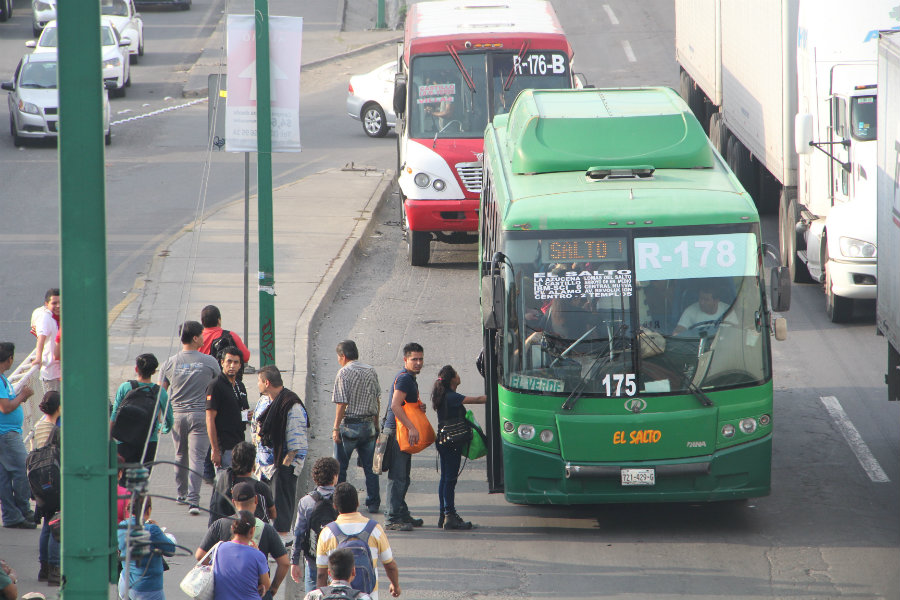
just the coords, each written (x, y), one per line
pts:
(707, 309)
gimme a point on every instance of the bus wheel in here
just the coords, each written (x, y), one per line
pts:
(419, 246)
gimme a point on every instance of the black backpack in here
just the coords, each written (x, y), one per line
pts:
(135, 415)
(339, 592)
(321, 515)
(220, 343)
(44, 478)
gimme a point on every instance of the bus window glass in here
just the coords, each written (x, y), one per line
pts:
(441, 100)
(511, 73)
(863, 118)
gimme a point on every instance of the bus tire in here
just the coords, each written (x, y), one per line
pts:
(418, 244)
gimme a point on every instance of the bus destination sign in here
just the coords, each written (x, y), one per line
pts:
(583, 250)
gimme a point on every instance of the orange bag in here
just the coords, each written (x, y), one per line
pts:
(415, 414)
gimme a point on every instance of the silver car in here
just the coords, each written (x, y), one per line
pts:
(42, 12)
(370, 99)
(34, 100)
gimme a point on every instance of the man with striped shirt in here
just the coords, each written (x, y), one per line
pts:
(356, 396)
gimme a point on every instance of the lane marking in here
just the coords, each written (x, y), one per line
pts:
(854, 439)
(159, 112)
(610, 14)
(629, 53)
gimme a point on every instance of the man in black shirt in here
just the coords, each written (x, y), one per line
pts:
(226, 409)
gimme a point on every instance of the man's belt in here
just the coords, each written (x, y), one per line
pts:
(359, 418)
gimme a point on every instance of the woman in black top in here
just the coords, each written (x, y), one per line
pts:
(449, 405)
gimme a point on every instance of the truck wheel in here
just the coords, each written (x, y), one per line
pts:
(838, 309)
(717, 132)
(788, 238)
(685, 89)
(419, 247)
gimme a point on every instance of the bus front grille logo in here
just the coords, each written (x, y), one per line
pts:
(635, 405)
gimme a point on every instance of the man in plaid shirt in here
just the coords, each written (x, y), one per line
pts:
(357, 399)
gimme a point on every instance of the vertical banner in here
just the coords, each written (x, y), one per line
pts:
(285, 37)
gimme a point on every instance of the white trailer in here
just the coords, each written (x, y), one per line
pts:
(887, 305)
(770, 77)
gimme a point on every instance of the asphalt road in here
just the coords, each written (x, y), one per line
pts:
(830, 528)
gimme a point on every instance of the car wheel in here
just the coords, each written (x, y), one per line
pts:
(17, 140)
(128, 81)
(373, 120)
(133, 59)
(35, 30)
(141, 47)
(186, 5)
(4, 10)
(108, 138)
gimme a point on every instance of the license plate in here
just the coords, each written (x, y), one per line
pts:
(638, 477)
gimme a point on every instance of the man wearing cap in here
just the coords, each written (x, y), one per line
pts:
(269, 543)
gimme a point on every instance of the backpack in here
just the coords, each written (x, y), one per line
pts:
(135, 415)
(321, 515)
(358, 544)
(339, 592)
(43, 473)
(220, 343)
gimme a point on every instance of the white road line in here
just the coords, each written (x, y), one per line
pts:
(629, 53)
(610, 14)
(854, 439)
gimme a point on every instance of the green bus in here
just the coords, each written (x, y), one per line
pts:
(626, 322)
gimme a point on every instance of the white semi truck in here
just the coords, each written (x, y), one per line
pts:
(887, 305)
(787, 91)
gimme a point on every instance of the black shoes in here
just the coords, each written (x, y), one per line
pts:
(42, 574)
(441, 521)
(454, 521)
(398, 526)
(413, 522)
(26, 524)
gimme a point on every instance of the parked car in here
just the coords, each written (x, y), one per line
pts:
(6, 8)
(42, 12)
(113, 49)
(182, 4)
(128, 22)
(370, 99)
(34, 100)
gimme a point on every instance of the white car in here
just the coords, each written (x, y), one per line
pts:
(42, 12)
(113, 51)
(128, 22)
(370, 99)
(34, 100)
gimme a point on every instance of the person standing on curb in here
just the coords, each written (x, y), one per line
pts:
(145, 366)
(357, 403)
(226, 409)
(283, 427)
(185, 376)
(404, 389)
(46, 328)
(15, 492)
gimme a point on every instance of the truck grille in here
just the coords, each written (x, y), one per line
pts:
(470, 173)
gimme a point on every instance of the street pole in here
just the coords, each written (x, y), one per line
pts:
(264, 188)
(379, 19)
(87, 480)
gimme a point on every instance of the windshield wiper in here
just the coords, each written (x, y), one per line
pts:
(565, 352)
(686, 381)
(512, 72)
(444, 128)
(462, 69)
(605, 357)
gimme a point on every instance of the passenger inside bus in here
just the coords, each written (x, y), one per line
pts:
(706, 312)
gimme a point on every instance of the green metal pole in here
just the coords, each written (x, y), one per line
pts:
(86, 525)
(264, 188)
(379, 19)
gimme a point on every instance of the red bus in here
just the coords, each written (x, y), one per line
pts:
(463, 62)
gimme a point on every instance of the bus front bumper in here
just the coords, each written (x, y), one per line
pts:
(442, 215)
(534, 477)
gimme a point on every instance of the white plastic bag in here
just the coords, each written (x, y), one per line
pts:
(199, 583)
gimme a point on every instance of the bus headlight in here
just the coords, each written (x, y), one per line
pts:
(748, 425)
(526, 432)
(853, 248)
(764, 420)
(439, 185)
(508, 426)
(728, 430)
(422, 180)
(546, 436)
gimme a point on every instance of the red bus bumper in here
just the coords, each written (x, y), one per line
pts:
(442, 215)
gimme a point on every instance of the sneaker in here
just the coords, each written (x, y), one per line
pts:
(454, 521)
(42, 574)
(181, 500)
(399, 526)
(413, 522)
(53, 576)
(441, 521)
(194, 510)
(373, 510)
(23, 525)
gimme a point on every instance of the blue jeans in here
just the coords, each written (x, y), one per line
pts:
(48, 548)
(398, 482)
(450, 461)
(360, 437)
(15, 493)
(310, 573)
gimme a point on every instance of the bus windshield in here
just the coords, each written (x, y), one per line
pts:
(621, 315)
(442, 100)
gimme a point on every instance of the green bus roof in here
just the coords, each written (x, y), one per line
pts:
(549, 144)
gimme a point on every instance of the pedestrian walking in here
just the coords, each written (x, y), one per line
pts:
(245, 496)
(241, 470)
(314, 511)
(15, 493)
(48, 503)
(240, 570)
(143, 575)
(448, 404)
(46, 328)
(283, 429)
(143, 390)
(341, 571)
(404, 389)
(211, 318)
(185, 376)
(350, 522)
(227, 410)
(357, 399)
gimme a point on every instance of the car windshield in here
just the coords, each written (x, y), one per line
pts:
(863, 118)
(592, 313)
(49, 38)
(106, 36)
(115, 8)
(38, 75)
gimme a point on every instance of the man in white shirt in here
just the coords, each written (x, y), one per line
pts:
(46, 327)
(707, 309)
